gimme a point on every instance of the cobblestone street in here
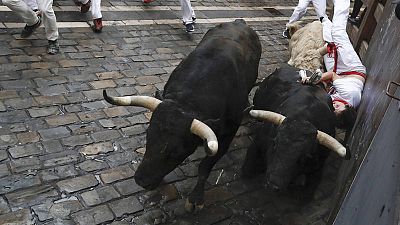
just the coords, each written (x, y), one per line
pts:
(68, 157)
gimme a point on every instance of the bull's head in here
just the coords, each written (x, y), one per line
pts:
(294, 144)
(296, 140)
(170, 138)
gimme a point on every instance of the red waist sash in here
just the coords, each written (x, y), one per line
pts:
(353, 73)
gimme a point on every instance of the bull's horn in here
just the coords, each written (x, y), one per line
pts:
(323, 50)
(323, 138)
(273, 117)
(202, 130)
(331, 143)
(144, 101)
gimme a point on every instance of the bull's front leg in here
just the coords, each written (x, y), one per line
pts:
(255, 160)
(256, 156)
(195, 201)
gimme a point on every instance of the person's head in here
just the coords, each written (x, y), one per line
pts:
(339, 106)
(345, 115)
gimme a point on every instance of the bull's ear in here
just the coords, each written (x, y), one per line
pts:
(348, 153)
(159, 95)
(294, 27)
(212, 123)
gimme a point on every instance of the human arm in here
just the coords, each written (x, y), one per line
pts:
(328, 76)
(318, 77)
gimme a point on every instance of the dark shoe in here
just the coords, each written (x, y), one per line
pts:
(97, 25)
(28, 30)
(53, 47)
(194, 19)
(85, 7)
(286, 34)
(354, 21)
(189, 27)
(77, 3)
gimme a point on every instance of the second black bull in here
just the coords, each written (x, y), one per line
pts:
(204, 98)
(297, 136)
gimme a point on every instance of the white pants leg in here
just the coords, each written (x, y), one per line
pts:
(299, 11)
(327, 35)
(187, 12)
(327, 29)
(340, 14)
(96, 9)
(32, 4)
(49, 19)
(23, 10)
(348, 59)
(320, 7)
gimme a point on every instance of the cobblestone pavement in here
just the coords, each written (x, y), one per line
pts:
(68, 157)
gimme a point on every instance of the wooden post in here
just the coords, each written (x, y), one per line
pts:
(360, 36)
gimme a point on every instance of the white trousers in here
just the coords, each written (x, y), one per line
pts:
(95, 8)
(301, 9)
(187, 12)
(32, 4)
(23, 10)
(335, 32)
(29, 16)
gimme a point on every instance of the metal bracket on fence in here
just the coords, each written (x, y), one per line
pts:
(392, 94)
(397, 10)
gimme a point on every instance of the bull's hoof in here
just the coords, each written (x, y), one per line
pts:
(191, 208)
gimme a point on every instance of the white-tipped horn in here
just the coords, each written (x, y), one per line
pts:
(144, 101)
(331, 143)
(323, 138)
(203, 131)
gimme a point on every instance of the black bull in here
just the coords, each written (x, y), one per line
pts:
(211, 85)
(291, 149)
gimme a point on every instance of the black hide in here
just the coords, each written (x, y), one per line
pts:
(290, 149)
(212, 85)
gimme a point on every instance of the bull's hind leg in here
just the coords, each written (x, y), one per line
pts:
(195, 201)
